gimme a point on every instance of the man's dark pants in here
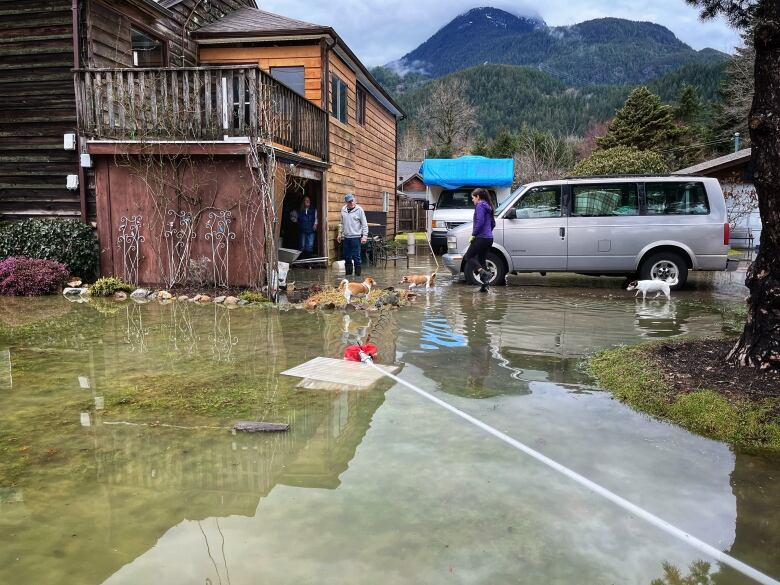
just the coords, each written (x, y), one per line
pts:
(351, 247)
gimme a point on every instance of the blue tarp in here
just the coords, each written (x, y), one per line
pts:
(468, 171)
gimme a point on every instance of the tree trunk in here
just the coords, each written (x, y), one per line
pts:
(759, 345)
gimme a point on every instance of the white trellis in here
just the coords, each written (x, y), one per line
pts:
(129, 242)
(219, 234)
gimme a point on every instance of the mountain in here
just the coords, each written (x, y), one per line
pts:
(601, 51)
(511, 97)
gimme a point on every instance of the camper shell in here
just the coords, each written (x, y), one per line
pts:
(449, 183)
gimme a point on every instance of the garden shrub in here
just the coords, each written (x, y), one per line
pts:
(108, 285)
(68, 241)
(21, 276)
(622, 160)
(251, 296)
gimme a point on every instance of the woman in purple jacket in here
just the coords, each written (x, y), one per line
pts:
(481, 236)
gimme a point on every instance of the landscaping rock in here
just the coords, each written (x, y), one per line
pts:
(139, 293)
(120, 296)
(164, 295)
(75, 283)
(204, 299)
(242, 303)
(183, 298)
(73, 291)
(231, 300)
(152, 296)
(220, 299)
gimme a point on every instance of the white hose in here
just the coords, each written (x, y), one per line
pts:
(699, 545)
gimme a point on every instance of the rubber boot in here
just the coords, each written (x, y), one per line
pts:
(348, 267)
(357, 269)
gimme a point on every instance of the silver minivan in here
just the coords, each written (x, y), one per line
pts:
(651, 226)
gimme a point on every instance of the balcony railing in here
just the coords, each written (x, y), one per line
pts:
(197, 104)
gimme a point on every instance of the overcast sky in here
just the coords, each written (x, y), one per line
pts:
(384, 30)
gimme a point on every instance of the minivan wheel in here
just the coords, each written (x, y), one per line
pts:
(665, 266)
(495, 266)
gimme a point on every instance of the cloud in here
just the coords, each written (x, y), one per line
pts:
(381, 31)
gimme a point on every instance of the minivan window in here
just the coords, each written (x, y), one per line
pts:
(605, 199)
(542, 201)
(459, 199)
(677, 198)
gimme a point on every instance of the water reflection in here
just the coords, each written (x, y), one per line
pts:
(363, 478)
(84, 499)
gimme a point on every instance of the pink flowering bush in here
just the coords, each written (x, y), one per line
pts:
(22, 276)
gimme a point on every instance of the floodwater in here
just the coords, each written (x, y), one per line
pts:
(116, 465)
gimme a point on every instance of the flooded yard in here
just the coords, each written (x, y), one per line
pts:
(117, 465)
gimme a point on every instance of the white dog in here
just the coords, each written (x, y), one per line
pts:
(656, 286)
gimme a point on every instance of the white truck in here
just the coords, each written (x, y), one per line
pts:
(449, 183)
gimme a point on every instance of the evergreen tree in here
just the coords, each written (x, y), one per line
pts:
(689, 106)
(504, 145)
(480, 146)
(643, 123)
(759, 344)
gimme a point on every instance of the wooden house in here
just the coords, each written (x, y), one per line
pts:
(40, 44)
(218, 82)
(314, 61)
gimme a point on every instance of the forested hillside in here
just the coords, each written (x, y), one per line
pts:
(510, 97)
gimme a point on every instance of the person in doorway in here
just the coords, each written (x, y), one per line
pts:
(481, 236)
(354, 232)
(306, 219)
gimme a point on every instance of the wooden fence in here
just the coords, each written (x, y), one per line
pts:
(411, 215)
(197, 104)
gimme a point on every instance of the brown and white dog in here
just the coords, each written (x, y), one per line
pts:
(355, 289)
(414, 280)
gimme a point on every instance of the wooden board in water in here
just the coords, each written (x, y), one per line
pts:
(331, 374)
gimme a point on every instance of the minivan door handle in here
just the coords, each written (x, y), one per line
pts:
(562, 232)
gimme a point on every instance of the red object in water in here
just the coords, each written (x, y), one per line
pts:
(352, 352)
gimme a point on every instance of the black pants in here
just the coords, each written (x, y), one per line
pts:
(476, 255)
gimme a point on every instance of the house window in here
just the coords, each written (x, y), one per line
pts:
(147, 51)
(360, 105)
(292, 77)
(338, 99)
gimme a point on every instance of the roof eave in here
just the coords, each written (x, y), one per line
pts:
(399, 113)
(699, 170)
(156, 8)
(259, 35)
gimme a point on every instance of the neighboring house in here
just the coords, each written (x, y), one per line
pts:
(409, 181)
(411, 197)
(194, 79)
(735, 173)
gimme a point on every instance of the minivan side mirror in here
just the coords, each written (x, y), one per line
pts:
(511, 213)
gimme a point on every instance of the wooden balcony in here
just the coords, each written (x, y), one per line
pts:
(197, 104)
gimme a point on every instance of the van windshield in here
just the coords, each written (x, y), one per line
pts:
(459, 199)
(508, 201)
